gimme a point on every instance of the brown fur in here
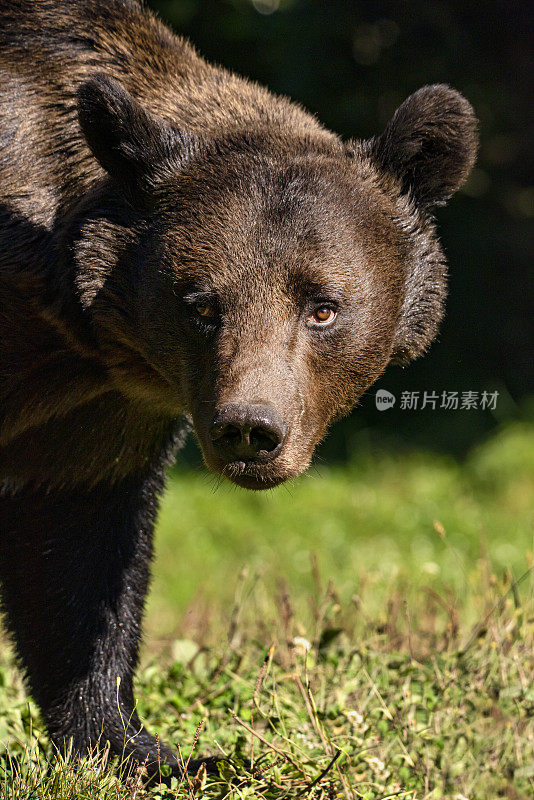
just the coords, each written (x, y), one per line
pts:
(253, 198)
(138, 182)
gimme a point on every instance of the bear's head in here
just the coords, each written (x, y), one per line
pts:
(260, 281)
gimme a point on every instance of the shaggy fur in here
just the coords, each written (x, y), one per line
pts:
(176, 243)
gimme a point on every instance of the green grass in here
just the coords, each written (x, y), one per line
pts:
(398, 597)
(372, 524)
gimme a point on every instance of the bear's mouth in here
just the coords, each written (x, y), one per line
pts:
(253, 475)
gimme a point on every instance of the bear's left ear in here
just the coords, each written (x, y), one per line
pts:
(131, 144)
(430, 144)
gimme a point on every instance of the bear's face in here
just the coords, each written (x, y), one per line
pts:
(283, 298)
(273, 280)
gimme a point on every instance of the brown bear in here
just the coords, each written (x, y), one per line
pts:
(177, 246)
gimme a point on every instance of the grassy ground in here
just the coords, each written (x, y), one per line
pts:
(365, 633)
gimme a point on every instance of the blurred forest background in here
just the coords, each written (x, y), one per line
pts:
(352, 62)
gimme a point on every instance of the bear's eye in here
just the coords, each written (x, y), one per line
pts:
(322, 316)
(206, 310)
(203, 310)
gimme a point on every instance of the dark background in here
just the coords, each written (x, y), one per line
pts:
(352, 63)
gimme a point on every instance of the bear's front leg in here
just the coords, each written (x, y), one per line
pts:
(75, 570)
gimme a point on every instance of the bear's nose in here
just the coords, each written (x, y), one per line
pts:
(248, 432)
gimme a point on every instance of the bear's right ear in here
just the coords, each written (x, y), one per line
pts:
(430, 144)
(127, 141)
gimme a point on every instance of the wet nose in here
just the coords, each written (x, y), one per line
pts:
(249, 432)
